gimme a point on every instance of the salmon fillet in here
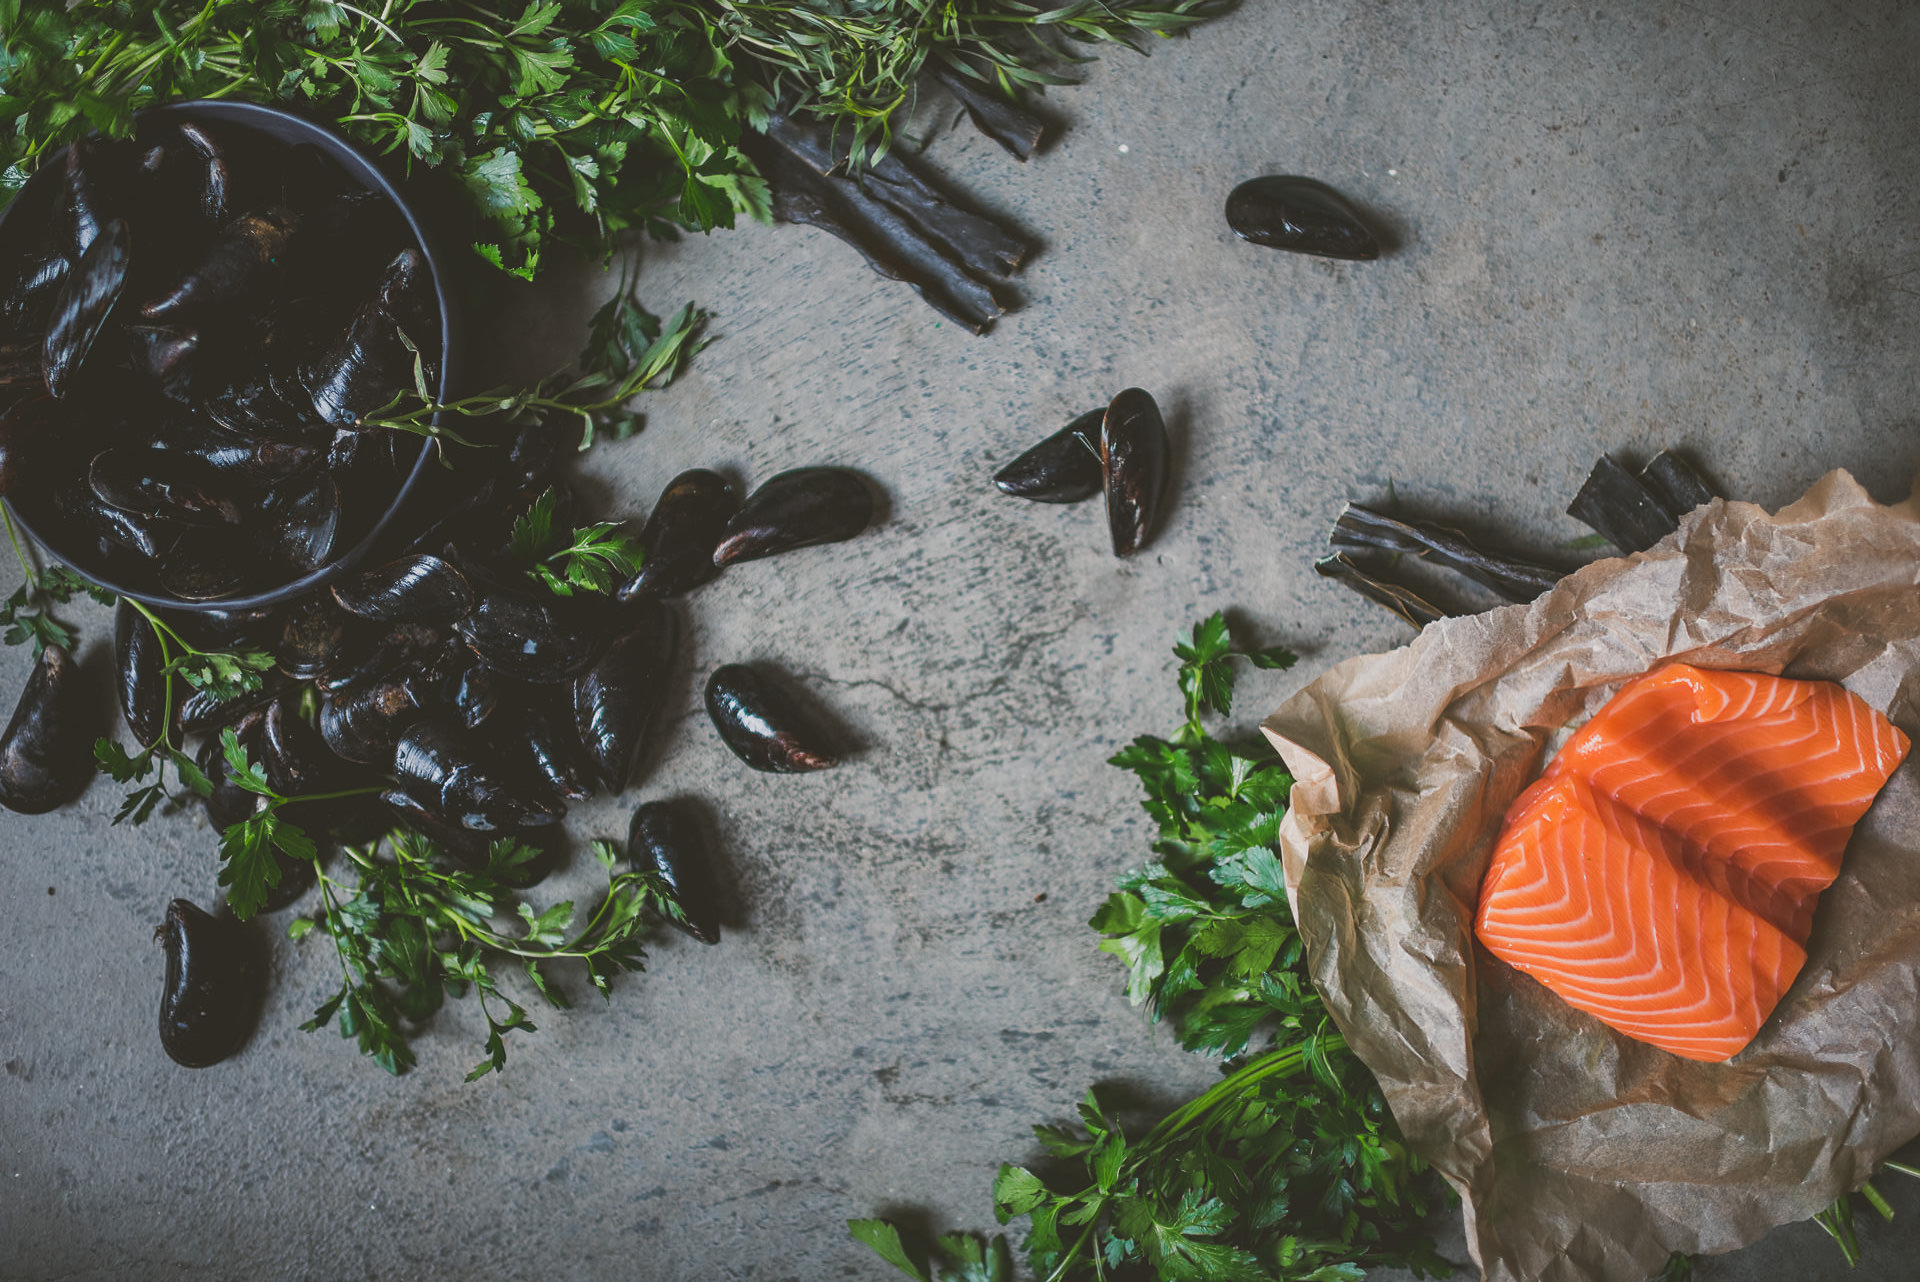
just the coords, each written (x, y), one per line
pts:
(1662, 873)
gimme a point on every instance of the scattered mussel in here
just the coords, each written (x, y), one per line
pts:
(216, 981)
(1301, 215)
(1064, 468)
(666, 840)
(140, 672)
(615, 701)
(762, 724)
(680, 537)
(797, 509)
(46, 753)
(1121, 450)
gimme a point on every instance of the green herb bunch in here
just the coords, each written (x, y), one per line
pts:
(575, 118)
(1290, 1168)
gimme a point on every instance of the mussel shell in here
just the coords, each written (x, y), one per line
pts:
(202, 156)
(665, 839)
(363, 719)
(797, 509)
(1064, 468)
(25, 434)
(46, 753)
(313, 637)
(229, 803)
(303, 527)
(161, 482)
(546, 745)
(240, 263)
(201, 713)
(28, 296)
(81, 308)
(297, 760)
(540, 638)
(216, 982)
(206, 565)
(137, 668)
(109, 526)
(92, 194)
(449, 772)
(369, 363)
(761, 723)
(1301, 215)
(254, 410)
(685, 527)
(166, 355)
(413, 589)
(616, 700)
(1134, 459)
(245, 465)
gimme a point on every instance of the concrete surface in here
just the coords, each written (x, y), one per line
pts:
(1619, 227)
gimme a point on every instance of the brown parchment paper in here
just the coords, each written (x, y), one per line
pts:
(1580, 1154)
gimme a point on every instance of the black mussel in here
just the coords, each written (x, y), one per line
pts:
(370, 362)
(255, 410)
(534, 457)
(471, 688)
(534, 635)
(240, 263)
(413, 589)
(75, 501)
(92, 196)
(203, 165)
(216, 982)
(1134, 460)
(202, 713)
(30, 291)
(165, 353)
(313, 637)
(548, 747)
(161, 482)
(448, 771)
(1064, 468)
(297, 760)
(229, 803)
(85, 300)
(797, 509)
(205, 565)
(253, 628)
(666, 839)
(363, 719)
(138, 666)
(303, 526)
(26, 431)
(1299, 214)
(615, 701)
(246, 464)
(46, 754)
(685, 527)
(761, 723)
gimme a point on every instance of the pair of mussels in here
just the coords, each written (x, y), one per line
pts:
(1121, 450)
(203, 374)
(216, 966)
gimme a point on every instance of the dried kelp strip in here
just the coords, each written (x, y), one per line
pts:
(1677, 487)
(888, 242)
(1007, 123)
(1409, 605)
(1512, 578)
(1620, 508)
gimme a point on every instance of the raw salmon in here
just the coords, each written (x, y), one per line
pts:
(1662, 873)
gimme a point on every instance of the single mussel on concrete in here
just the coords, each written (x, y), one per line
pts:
(1134, 460)
(797, 509)
(448, 771)
(616, 700)
(1064, 468)
(413, 589)
(1301, 215)
(138, 673)
(685, 527)
(665, 839)
(46, 753)
(216, 982)
(85, 300)
(762, 724)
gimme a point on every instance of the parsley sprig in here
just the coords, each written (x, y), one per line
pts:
(595, 558)
(27, 615)
(415, 929)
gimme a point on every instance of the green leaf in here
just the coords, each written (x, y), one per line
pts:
(247, 867)
(884, 1238)
(1016, 1191)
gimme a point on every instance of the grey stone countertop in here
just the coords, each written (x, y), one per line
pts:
(1619, 227)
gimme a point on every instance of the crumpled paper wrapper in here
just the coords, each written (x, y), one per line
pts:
(1582, 1155)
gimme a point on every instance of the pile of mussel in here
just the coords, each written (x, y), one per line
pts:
(196, 321)
(1120, 450)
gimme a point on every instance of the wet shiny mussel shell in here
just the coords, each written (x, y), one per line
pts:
(797, 509)
(413, 589)
(46, 753)
(450, 772)
(215, 984)
(138, 667)
(762, 723)
(1135, 457)
(666, 839)
(1064, 468)
(83, 304)
(616, 700)
(681, 533)
(1302, 215)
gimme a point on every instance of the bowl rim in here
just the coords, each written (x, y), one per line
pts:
(362, 167)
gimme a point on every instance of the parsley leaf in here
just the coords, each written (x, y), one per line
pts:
(597, 558)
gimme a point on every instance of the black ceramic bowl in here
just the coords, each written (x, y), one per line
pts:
(24, 217)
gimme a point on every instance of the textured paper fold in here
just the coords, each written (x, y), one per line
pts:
(1580, 1154)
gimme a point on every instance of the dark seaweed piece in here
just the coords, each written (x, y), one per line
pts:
(364, 718)
(1678, 488)
(216, 982)
(161, 482)
(137, 670)
(1007, 123)
(686, 525)
(1514, 579)
(1407, 604)
(450, 773)
(241, 263)
(540, 637)
(889, 242)
(46, 753)
(1135, 457)
(615, 701)
(80, 310)
(666, 840)
(1620, 509)
(369, 363)
(1301, 215)
(797, 509)
(313, 637)
(761, 723)
(413, 589)
(1064, 468)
